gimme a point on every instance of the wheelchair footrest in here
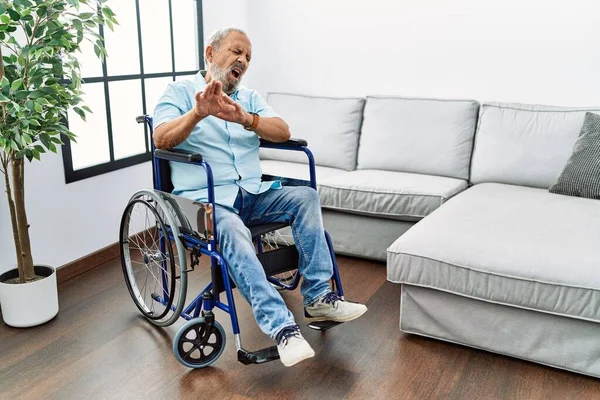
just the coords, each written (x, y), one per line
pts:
(323, 325)
(259, 356)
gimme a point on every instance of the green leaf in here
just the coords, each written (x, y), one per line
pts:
(2, 8)
(15, 16)
(37, 107)
(43, 101)
(77, 24)
(80, 112)
(108, 13)
(86, 15)
(3, 98)
(86, 108)
(23, 3)
(42, 11)
(16, 84)
(20, 154)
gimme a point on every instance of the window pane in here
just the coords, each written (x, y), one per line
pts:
(122, 44)
(91, 66)
(185, 35)
(155, 87)
(92, 136)
(156, 35)
(125, 105)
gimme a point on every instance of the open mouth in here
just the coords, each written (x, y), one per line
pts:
(236, 72)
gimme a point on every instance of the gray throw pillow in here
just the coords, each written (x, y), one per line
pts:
(581, 175)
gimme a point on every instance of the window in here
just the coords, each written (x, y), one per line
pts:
(155, 43)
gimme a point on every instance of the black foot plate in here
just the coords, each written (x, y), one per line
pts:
(323, 325)
(258, 357)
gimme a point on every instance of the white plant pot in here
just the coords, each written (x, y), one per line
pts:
(29, 304)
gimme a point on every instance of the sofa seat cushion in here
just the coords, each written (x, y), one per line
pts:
(512, 245)
(296, 170)
(389, 194)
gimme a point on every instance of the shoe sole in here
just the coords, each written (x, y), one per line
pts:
(345, 319)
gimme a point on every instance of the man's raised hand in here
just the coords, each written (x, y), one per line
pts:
(212, 101)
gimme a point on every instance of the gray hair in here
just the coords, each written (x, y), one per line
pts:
(217, 37)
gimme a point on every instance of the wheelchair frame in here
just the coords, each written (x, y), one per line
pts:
(209, 298)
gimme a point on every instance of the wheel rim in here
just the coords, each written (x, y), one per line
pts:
(149, 266)
(197, 348)
(163, 299)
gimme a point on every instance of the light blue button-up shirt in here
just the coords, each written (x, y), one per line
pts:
(229, 149)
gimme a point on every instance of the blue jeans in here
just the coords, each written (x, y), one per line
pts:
(300, 207)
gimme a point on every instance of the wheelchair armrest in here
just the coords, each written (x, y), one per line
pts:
(177, 155)
(292, 143)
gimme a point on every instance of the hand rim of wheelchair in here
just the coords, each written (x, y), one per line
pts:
(197, 344)
(126, 258)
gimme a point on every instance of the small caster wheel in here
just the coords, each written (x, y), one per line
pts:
(194, 347)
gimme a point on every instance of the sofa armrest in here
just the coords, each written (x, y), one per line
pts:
(178, 155)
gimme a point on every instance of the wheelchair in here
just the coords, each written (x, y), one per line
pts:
(160, 232)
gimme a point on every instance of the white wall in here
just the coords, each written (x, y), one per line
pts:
(537, 51)
(527, 51)
(74, 220)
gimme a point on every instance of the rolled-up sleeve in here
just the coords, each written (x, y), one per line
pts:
(172, 104)
(260, 106)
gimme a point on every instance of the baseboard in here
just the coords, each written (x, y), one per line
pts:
(87, 263)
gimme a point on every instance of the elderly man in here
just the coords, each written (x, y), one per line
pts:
(214, 116)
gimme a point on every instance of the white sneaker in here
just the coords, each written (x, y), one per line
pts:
(331, 307)
(292, 347)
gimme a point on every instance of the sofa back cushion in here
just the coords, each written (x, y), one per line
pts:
(331, 127)
(427, 136)
(523, 144)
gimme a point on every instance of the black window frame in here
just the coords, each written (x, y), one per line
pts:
(114, 165)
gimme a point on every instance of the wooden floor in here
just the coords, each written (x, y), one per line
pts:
(98, 347)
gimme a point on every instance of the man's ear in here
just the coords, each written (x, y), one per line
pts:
(209, 53)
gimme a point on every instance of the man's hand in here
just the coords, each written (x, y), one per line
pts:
(238, 114)
(212, 101)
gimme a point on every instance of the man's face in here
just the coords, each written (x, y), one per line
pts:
(230, 62)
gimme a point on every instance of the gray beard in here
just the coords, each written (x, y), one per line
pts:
(220, 74)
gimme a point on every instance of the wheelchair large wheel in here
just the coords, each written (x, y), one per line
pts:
(153, 258)
(194, 347)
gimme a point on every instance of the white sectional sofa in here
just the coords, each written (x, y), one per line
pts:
(454, 195)
(373, 181)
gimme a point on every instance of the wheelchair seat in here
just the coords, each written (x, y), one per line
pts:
(259, 230)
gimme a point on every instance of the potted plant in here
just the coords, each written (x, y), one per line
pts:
(39, 81)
